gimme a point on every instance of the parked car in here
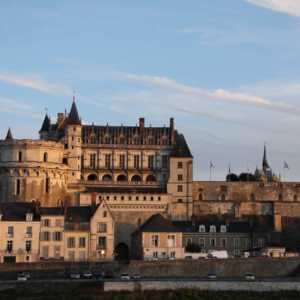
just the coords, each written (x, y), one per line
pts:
(252, 256)
(97, 276)
(211, 276)
(249, 276)
(201, 257)
(188, 257)
(264, 256)
(109, 274)
(125, 276)
(237, 256)
(136, 276)
(22, 277)
(87, 275)
(27, 275)
(75, 275)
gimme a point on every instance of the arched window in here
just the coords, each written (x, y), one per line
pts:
(223, 198)
(121, 178)
(107, 177)
(122, 141)
(19, 156)
(18, 186)
(200, 197)
(47, 190)
(150, 178)
(252, 197)
(295, 198)
(279, 197)
(45, 157)
(92, 177)
(58, 202)
(135, 178)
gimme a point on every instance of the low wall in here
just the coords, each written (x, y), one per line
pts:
(262, 267)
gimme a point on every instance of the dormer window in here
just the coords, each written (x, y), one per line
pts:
(212, 228)
(201, 228)
(29, 216)
(223, 228)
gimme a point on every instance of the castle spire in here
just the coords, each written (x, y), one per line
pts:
(46, 123)
(73, 118)
(9, 135)
(265, 163)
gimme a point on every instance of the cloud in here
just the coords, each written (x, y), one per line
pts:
(13, 103)
(23, 113)
(217, 95)
(291, 7)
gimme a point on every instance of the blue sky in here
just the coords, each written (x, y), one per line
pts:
(227, 71)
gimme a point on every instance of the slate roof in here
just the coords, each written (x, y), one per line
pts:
(16, 211)
(51, 211)
(125, 190)
(156, 223)
(46, 123)
(9, 135)
(79, 214)
(181, 148)
(234, 227)
(73, 118)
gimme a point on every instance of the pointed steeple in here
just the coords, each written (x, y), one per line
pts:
(73, 118)
(9, 135)
(265, 163)
(46, 123)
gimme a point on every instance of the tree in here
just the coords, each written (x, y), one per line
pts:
(193, 248)
(243, 177)
(233, 177)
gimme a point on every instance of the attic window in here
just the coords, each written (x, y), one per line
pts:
(105, 214)
(29, 217)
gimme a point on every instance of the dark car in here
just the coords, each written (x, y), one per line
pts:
(237, 256)
(188, 257)
(109, 274)
(97, 277)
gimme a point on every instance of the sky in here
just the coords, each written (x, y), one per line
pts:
(228, 72)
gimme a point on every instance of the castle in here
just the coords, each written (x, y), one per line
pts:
(139, 171)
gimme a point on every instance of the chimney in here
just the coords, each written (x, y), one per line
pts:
(142, 123)
(172, 125)
(37, 206)
(66, 207)
(250, 221)
(93, 202)
(194, 220)
(61, 206)
(227, 222)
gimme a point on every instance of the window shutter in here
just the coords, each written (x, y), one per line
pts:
(49, 222)
(41, 236)
(53, 236)
(68, 242)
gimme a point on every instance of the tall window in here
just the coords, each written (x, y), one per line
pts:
(136, 161)
(155, 254)
(223, 242)
(46, 236)
(93, 161)
(45, 157)
(279, 197)
(201, 242)
(18, 186)
(179, 177)
(107, 161)
(261, 242)
(122, 161)
(57, 236)
(29, 231)
(45, 251)
(82, 242)
(154, 240)
(46, 222)
(164, 161)
(236, 242)
(82, 162)
(28, 246)
(252, 197)
(19, 156)
(223, 198)
(150, 161)
(102, 241)
(295, 198)
(10, 231)
(47, 190)
(71, 242)
(172, 254)
(213, 242)
(9, 246)
(248, 242)
(179, 165)
(179, 188)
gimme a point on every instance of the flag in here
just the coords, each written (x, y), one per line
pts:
(286, 166)
(212, 165)
(229, 168)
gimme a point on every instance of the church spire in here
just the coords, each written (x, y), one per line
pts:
(9, 135)
(265, 163)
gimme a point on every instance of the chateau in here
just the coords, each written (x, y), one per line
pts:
(138, 171)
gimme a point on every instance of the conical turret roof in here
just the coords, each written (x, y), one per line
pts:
(9, 135)
(45, 126)
(73, 118)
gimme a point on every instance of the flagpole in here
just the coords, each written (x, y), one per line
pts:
(247, 170)
(210, 169)
(284, 172)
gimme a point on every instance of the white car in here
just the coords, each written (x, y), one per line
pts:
(125, 276)
(136, 276)
(22, 277)
(249, 276)
(87, 275)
